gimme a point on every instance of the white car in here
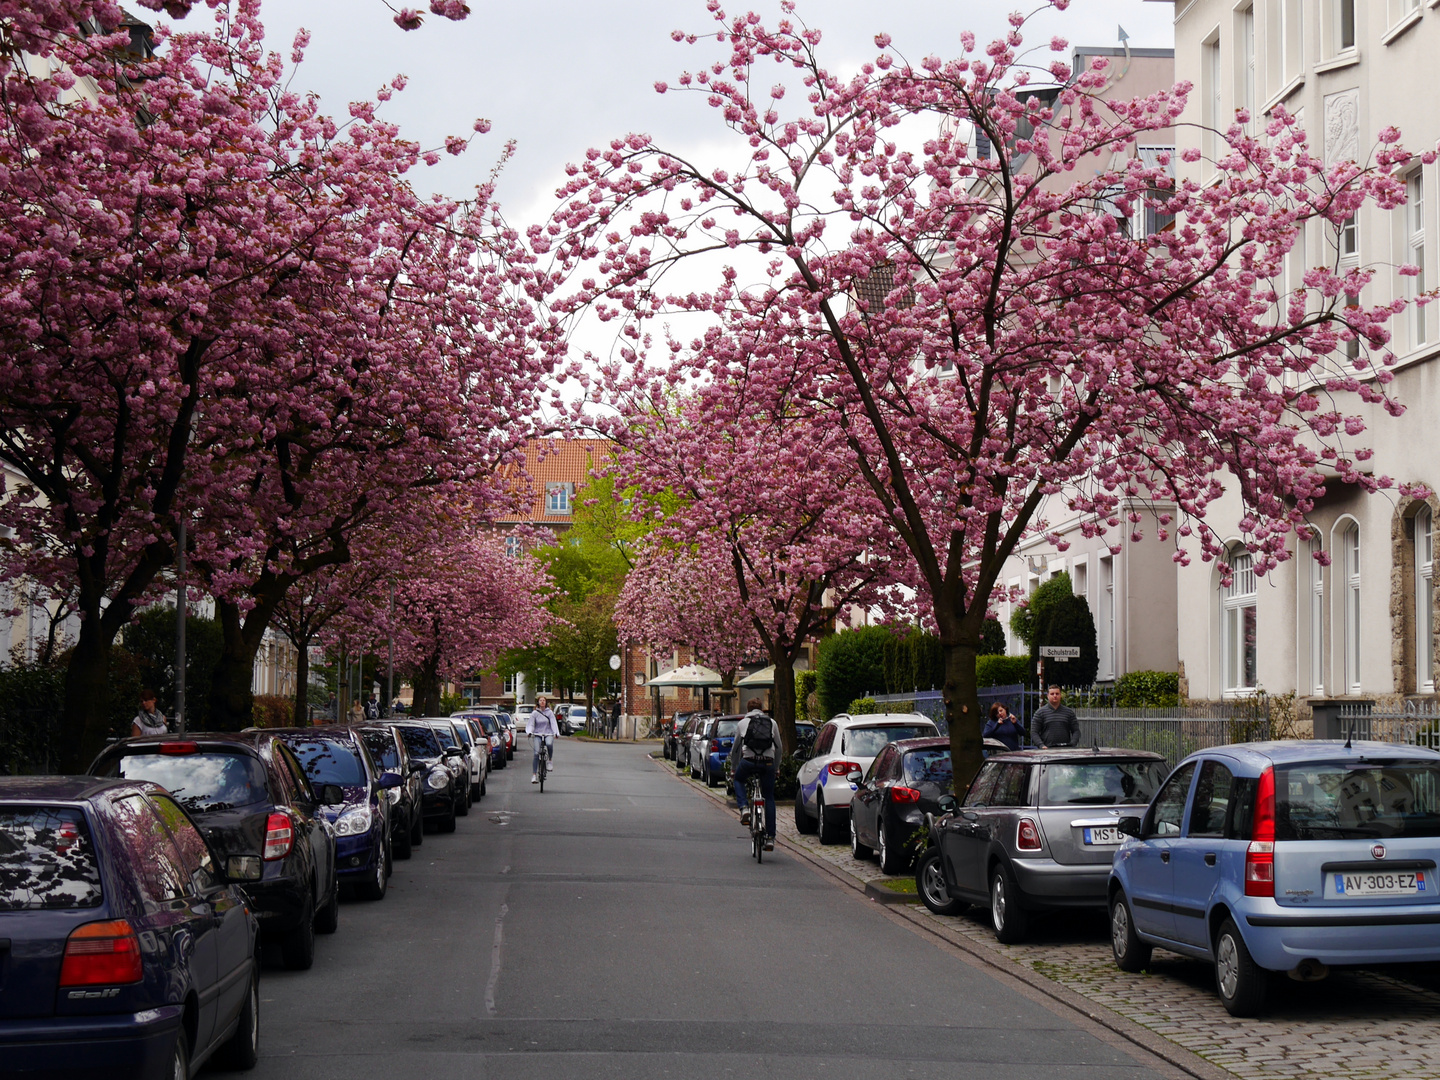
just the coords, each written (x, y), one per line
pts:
(844, 744)
(522, 717)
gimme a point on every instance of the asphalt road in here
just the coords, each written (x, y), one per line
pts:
(616, 926)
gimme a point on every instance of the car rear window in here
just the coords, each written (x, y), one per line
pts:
(420, 741)
(329, 761)
(1100, 783)
(1342, 801)
(725, 729)
(201, 782)
(929, 767)
(47, 861)
(382, 748)
(869, 741)
(504, 718)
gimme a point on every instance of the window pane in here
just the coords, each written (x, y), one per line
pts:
(1376, 801)
(1212, 800)
(1169, 805)
(47, 861)
(1013, 787)
(158, 864)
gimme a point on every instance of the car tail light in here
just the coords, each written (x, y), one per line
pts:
(714, 746)
(1260, 855)
(1028, 836)
(101, 954)
(179, 747)
(904, 794)
(842, 768)
(279, 835)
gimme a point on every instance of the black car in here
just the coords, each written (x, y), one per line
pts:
(805, 734)
(456, 759)
(672, 732)
(257, 809)
(441, 794)
(905, 782)
(407, 827)
(683, 739)
(123, 950)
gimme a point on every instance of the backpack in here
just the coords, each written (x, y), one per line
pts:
(759, 736)
(372, 710)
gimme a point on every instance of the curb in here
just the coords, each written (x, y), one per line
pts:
(1086, 1013)
(878, 892)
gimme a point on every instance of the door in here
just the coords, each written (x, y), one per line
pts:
(960, 841)
(1195, 857)
(865, 806)
(311, 829)
(1148, 875)
(809, 775)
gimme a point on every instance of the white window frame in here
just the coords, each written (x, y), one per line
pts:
(1105, 630)
(1316, 599)
(557, 498)
(1424, 528)
(508, 686)
(1292, 37)
(1239, 655)
(1350, 610)
(1246, 96)
(1340, 13)
(1415, 252)
(1212, 76)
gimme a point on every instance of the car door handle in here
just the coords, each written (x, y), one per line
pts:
(1164, 856)
(1210, 858)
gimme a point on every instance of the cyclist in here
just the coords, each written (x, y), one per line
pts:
(543, 729)
(755, 751)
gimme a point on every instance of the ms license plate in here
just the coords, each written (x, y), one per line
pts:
(1103, 836)
(1393, 883)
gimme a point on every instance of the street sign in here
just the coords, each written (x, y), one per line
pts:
(614, 662)
(1060, 652)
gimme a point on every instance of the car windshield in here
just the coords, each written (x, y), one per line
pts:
(869, 741)
(1100, 783)
(329, 761)
(420, 741)
(382, 748)
(1340, 801)
(445, 735)
(488, 723)
(46, 859)
(201, 782)
(725, 729)
(929, 766)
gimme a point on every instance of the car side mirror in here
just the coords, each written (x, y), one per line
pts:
(855, 776)
(417, 767)
(947, 803)
(1130, 826)
(389, 780)
(331, 794)
(455, 751)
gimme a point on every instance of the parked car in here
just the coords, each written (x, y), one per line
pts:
(671, 729)
(441, 796)
(1036, 831)
(805, 735)
(456, 759)
(336, 757)
(479, 753)
(903, 784)
(507, 722)
(1283, 856)
(487, 727)
(713, 748)
(844, 744)
(684, 738)
(255, 806)
(115, 914)
(522, 717)
(407, 827)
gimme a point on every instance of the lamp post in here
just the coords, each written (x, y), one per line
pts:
(180, 604)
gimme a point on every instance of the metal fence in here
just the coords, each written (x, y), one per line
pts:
(1413, 724)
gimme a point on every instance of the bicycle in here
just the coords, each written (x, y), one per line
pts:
(541, 768)
(756, 800)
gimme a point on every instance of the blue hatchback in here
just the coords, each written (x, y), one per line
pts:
(123, 952)
(1284, 856)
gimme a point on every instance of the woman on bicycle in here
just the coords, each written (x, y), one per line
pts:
(755, 751)
(543, 729)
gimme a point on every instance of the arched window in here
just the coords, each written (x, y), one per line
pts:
(1237, 627)
(1350, 610)
(1425, 601)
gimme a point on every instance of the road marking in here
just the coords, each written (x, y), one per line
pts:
(495, 958)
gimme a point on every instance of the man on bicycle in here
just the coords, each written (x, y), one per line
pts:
(754, 752)
(543, 729)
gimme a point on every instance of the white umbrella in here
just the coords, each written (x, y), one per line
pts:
(763, 678)
(689, 675)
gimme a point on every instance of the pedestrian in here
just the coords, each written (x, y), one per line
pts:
(149, 720)
(372, 707)
(756, 749)
(614, 718)
(1003, 727)
(1054, 723)
(357, 713)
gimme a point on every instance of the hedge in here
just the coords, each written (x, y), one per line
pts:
(1148, 690)
(849, 665)
(864, 706)
(1003, 671)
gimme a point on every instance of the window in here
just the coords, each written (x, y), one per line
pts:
(557, 498)
(513, 547)
(826, 740)
(543, 683)
(1316, 602)
(509, 685)
(1344, 29)
(1347, 241)
(1425, 601)
(194, 854)
(1415, 252)
(1106, 629)
(47, 860)
(158, 867)
(1151, 216)
(1237, 627)
(1350, 617)
(1211, 75)
(1168, 810)
(1246, 93)
(1212, 801)
(1012, 788)
(983, 786)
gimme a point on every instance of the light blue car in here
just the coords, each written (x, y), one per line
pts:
(1283, 856)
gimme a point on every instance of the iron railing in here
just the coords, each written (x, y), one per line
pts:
(1415, 723)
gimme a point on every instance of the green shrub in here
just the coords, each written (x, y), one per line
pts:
(849, 665)
(1148, 690)
(450, 703)
(804, 687)
(992, 639)
(31, 699)
(1025, 620)
(862, 706)
(272, 710)
(1003, 671)
(150, 640)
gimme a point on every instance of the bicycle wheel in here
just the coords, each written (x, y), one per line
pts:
(542, 774)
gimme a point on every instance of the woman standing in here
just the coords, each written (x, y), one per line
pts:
(1003, 728)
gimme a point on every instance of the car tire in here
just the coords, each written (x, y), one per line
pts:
(930, 884)
(462, 803)
(1239, 980)
(402, 843)
(242, 1050)
(447, 823)
(804, 822)
(892, 859)
(829, 831)
(327, 919)
(297, 948)
(374, 888)
(710, 780)
(180, 1057)
(1007, 917)
(1131, 954)
(484, 786)
(417, 828)
(857, 849)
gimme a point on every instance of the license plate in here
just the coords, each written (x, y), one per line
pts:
(1381, 883)
(1110, 836)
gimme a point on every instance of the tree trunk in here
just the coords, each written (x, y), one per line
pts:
(302, 683)
(782, 698)
(232, 699)
(85, 722)
(962, 708)
(427, 688)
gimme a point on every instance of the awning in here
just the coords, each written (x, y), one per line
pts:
(763, 678)
(689, 675)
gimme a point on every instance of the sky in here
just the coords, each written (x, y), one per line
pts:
(559, 76)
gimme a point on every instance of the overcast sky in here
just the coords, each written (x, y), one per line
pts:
(559, 76)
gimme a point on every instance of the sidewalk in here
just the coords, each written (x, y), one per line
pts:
(1355, 1025)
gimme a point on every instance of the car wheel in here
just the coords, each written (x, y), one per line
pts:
(1131, 954)
(401, 843)
(484, 785)
(297, 948)
(243, 1050)
(417, 828)
(804, 823)
(892, 859)
(374, 888)
(1007, 917)
(1240, 981)
(447, 823)
(180, 1057)
(829, 831)
(857, 849)
(710, 780)
(930, 884)
(327, 919)
(462, 803)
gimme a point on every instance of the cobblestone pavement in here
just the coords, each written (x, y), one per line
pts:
(1355, 1025)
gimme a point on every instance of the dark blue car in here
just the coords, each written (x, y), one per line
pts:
(338, 756)
(123, 951)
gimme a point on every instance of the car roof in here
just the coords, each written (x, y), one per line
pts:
(845, 720)
(1258, 755)
(238, 740)
(932, 743)
(76, 788)
(1067, 754)
(327, 731)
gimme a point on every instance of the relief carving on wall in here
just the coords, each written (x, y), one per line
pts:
(1342, 126)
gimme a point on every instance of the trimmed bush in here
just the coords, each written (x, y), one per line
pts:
(849, 665)
(1067, 621)
(1003, 671)
(1148, 690)
(272, 710)
(862, 706)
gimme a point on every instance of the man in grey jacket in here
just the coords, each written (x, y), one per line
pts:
(757, 757)
(1055, 724)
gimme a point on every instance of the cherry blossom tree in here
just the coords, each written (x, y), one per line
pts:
(210, 288)
(983, 332)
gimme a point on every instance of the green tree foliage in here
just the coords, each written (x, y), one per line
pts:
(849, 665)
(149, 638)
(1026, 617)
(804, 687)
(992, 639)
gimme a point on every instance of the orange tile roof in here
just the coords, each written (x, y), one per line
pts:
(550, 461)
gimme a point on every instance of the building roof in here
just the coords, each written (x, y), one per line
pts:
(551, 462)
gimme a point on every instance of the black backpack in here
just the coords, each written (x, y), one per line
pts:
(759, 736)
